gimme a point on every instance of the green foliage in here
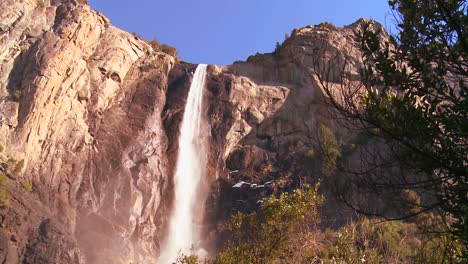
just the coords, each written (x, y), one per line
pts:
(346, 248)
(18, 167)
(273, 233)
(17, 95)
(421, 105)
(156, 45)
(136, 35)
(411, 201)
(189, 259)
(327, 25)
(169, 50)
(284, 230)
(300, 144)
(368, 241)
(10, 164)
(14, 167)
(440, 249)
(41, 3)
(27, 185)
(331, 149)
(310, 153)
(415, 103)
(4, 194)
(277, 46)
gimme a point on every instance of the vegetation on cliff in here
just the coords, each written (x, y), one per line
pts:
(4, 194)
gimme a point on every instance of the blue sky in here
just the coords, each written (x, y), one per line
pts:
(222, 31)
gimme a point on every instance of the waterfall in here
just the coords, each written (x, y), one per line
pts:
(186, 218)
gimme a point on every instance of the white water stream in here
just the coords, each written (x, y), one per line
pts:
(186, 218)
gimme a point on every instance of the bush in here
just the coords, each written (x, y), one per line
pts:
(14, 167)
(367, 241)
(277, 46)
(4, 194)
(155, 44)
(310, 153)
(190, 259)
(18, 167)
(27, 186)
(276, 231)
(10, 164)
(17, 95)
(327, 25)
(285, 229)
(169, 50)
(331, 149)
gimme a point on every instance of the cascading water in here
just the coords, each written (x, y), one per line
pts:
(185, 220)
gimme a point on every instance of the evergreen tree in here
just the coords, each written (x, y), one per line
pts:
(413, 97)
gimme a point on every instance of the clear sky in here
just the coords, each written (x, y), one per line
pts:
(222, 31)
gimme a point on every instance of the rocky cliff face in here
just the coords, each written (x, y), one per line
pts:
(89, 118)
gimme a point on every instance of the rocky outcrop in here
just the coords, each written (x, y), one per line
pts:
(89, 118)
(81, 105)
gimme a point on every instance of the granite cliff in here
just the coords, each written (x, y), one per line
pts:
(89, 118)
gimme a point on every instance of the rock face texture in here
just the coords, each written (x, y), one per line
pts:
(89, 119)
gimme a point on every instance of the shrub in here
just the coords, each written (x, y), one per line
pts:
(300, 144)
(14, 166)
(169, 50)
(389, 242)
(4, 194)
(277, 46)
(136, 35)
(276, 231)
(285, 229)
(331, 149)
(17, 95)
(311, 153)
(190, 259)
(327, 25)
(27, 186)
(155, 44)
(41, 3)
(10, 163)
(18, 167)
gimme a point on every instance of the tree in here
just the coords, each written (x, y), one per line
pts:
(412, 97)
(279, 230)
(330, 148)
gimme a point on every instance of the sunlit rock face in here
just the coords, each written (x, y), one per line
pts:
(94, 114)
(82, 102)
